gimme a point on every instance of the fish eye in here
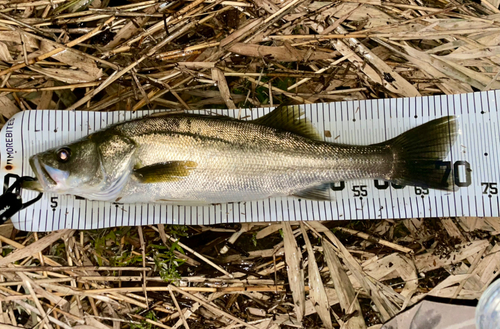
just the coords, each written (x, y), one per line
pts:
(63, 154)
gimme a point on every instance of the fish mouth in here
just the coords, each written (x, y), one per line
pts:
(41, 173)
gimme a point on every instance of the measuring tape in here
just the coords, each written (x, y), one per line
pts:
(473, 163)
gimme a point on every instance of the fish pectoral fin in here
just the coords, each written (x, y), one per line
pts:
(318, 193)
(170, 171)
(289, 118)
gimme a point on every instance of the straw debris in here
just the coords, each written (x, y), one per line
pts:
(312, 274)
(97, 55)
(106, 55)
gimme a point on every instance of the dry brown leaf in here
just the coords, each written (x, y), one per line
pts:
(14, 36)
(281, 54)
(214, 101)
(198, 65)
(295, 271)
(383, 304)
(74, 59)
(389, 267)
(233, 37)
(360, 13)
(345, 291)
(371, 74)
(65, 75)
(218, 76)
(488, 269)
(316, 288)
(475, 76)
(422, 61)
(90, 321)
(486, 38)
(46, 97)
(333, 299)
(446, 287)
(35, 247)
(6, 230)
(494, 223)
(57, 300)
(470, 224)
(429, 262)
(268, 230)
(5, 53)
(452, 229)
(269, 6)
(442, 67)
(7, 107)
(380, 73)
(391, 79)
(129, 29)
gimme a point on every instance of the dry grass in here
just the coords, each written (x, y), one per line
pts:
(310, 274)
(105, 55)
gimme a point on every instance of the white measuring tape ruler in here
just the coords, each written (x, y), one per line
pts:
(473, 162)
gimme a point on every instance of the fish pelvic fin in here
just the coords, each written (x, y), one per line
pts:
(289, 118)
(318, 193)
(170, 171)
(419, 154)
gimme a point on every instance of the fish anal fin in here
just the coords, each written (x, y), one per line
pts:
(289, 118)
(318, 193)
(170, 171)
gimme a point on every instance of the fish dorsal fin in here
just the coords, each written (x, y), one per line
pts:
(289, 118)
(170, 171)
(318, 193)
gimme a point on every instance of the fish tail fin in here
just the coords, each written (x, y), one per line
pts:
(419, 154)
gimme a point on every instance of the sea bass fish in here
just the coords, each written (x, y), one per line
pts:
(201, 159)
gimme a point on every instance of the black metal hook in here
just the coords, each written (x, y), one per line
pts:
(11, 201)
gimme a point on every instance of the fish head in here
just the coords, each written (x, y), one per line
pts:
(95, 167)
(67, 168)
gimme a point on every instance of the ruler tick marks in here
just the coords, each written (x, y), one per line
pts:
(386, 119)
